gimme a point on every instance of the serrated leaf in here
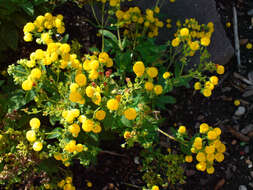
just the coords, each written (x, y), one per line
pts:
(55, 133)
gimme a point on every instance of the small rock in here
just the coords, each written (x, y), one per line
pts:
(250, 12)
(248, 162)
(200, 117)
(243, 41)
(242, 187)
(240, 111)
(251, 184)
(247, 129)
(251, 173)
(234, 142)
(203, 181)
(136, 160)
(246, 149)
(228, 173)
(226, 89)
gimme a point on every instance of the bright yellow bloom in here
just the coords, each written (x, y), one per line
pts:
(87, 125)
(93, 75)
(73, 87)
(112, 104)
(175, 42)
(130, 113)
(182, 130)
(194, 45)
(89, 91)
(94, 65)
(188, 158)
(221, 148)
(29, 27)
(74, 129)
(197, 85)
(103, 57)
(211, 135)
(210, 170)
(209, 85)
(89, 184)
(166, 75)
(31, 135)
(61, 183)
(127, 134)
(139, 68)
(81, 79)
(237, 102)
(36, 73)
(219, 157)
(27, 85)
(205, 41)
(184, 32)
(65, 48)
(34, 123)
(228, 24)
(152, 72)
(37, 146)
(214, 80)
(203, 128)
(149, 86)
(220, 69)
(96, 128)
(201, 157)
(158, 89)
(68, 179)
(79, 147)
(109, 63)
(201, 166)
(157, 10)
(249, 45)
(28, 37)
(209, 149)
(207, 92)
(155, 187)
(100, 115)
(217, 130)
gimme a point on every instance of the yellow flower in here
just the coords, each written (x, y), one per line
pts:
(76, 97)
(65, 48)
(149, 86)
(184, 32)
(89, 91)
(81, 79)
(31, 135)
(155, 187)
(201, 157)
(139, 68)
(87, 125)
(220, 69)
(237, 102)
(209, 85)
(175, 42)
(249, 45)
(228, 24)
(219, 157)
(152, 72)
(205, 41)
(71, 146)
(36, 73)
(61, 30)
(96, 98)
(34, 123)
(166, 75)
(94, 65)
(28, 37)
(89, 184)
(27, 85)
(221, 148)
(74, 129)
(68, 179)
(207, 92)
(47, 186)
(127, 134)
(96, 128)
(112, 104)
(68, 187)
(73, 87)
(130, 113)
(157, 9)
(103, 57)
(209, 149)
(29, 27)
(158, 89)
(182, 130)
(37, 146)
(79, 148)
(217, 130)
(61, 183)
(93, 75)
(194, 45)
(211, 135)
(210, 157)
(188, 158)
(109, 63)
(210, 170)
(197, 85)
(201, 166)
(100, 115)
(203, 128)
(214, 80)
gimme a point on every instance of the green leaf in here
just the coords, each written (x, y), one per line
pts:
(125, 121)
(65, 39)
(1, 82)
(55, 133)
(28, 8)
(10, 36)
(109, 34)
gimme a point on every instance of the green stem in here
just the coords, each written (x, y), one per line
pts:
(94, 13)
(119, 39)
(171, 137)
(103, 37)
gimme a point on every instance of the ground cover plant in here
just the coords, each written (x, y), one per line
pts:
(122, 87)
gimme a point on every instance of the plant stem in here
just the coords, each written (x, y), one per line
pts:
(119, 39)
(103, 37)
(169, 136)
(94, 13)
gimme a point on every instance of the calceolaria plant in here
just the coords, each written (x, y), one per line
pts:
(116, 89)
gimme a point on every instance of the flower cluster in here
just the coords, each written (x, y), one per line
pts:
(136, 23)
(41, 24)
(207, 148)
(66, 184)
(207, 86)
(31, 134)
